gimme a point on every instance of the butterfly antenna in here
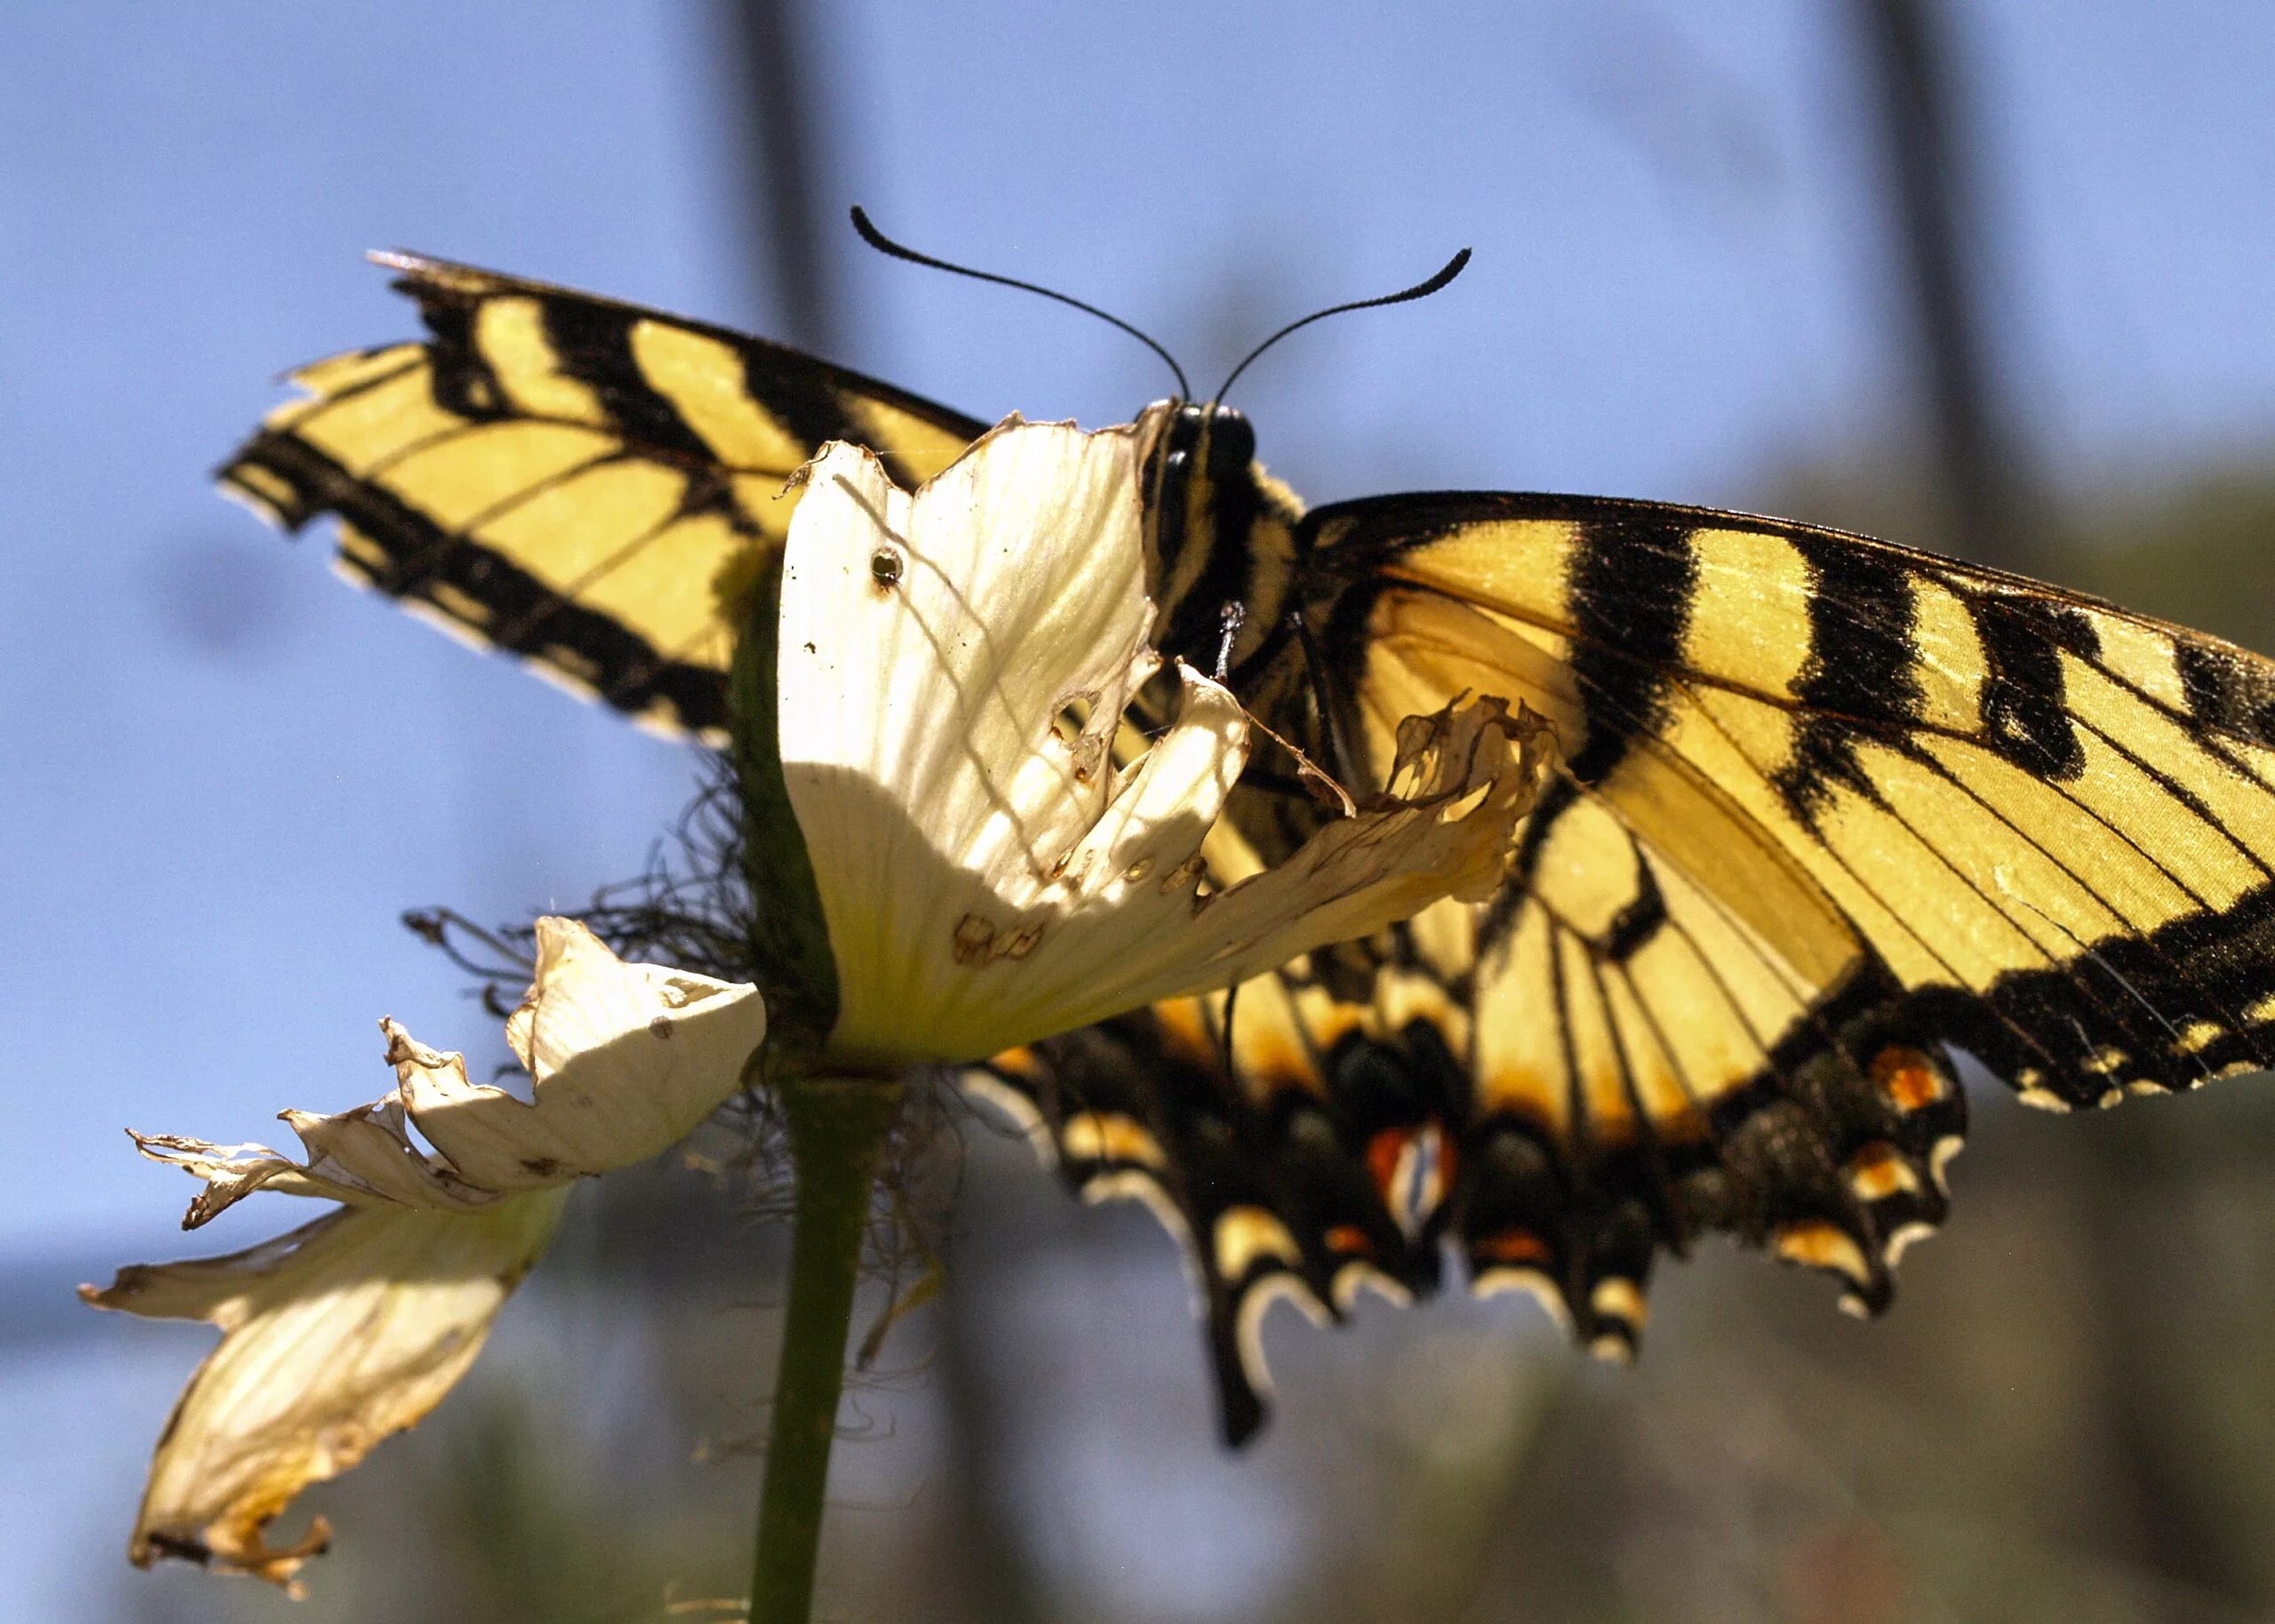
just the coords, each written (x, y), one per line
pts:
(884, 244)
(1420, 289)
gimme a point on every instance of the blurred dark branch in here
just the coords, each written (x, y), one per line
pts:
(783, 145)
(1916, 86)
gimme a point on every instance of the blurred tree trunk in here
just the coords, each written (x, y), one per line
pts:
(782, 146)
(1917, 95)
(1996, 518)
(994, 1580)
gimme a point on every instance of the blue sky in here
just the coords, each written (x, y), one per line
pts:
(226, 773)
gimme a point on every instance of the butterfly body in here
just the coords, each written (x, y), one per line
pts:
(1825, 810)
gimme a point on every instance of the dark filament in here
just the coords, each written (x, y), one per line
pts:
(1420, 289)
(884, 244)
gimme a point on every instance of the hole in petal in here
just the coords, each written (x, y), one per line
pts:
(973, 939)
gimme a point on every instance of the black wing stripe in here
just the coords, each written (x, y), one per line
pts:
(1645, 740)
(1860, 665)
(1632, 584)
(2024, 716)
(594, 344)
(2228, 693)
(461, 380)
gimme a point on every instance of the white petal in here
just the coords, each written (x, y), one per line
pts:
(627, 1059)
(930, 646)
(333, 1336)
(986, 880)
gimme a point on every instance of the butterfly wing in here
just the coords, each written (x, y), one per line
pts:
(1828, 805)
(2047, 821)
(584, 484)
(1827, 808)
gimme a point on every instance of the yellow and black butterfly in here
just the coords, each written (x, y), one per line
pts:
(1826, 808)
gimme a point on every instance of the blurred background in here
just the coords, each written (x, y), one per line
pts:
(1994, 279)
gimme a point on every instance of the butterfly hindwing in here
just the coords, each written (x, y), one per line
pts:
(584, 484)
(1303, 1163)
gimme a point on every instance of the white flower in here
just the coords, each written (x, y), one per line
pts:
(354, 1326)
(953, 670)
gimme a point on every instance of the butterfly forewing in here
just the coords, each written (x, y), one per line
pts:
(581, 482)
(2048, 820)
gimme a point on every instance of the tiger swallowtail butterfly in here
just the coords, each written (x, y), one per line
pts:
(1826, 808)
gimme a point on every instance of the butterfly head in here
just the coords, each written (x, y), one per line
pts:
(1208, 504)
(1214, 442)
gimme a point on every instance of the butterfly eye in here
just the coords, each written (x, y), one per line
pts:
(885, 569)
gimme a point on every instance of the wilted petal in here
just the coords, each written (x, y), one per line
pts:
(1138, 931)
(358, 1156)
(333, 1336)
(627, 1059)
(954, 666)
(356, 1326)
(232, 1172)
(1463, 779)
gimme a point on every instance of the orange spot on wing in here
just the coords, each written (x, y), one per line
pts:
(1880, 1170)
(1909, 1078)
(1382, 1153)
(1820, 1244)
(1516, 1246)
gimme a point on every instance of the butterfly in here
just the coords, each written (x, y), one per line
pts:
(1825, 810)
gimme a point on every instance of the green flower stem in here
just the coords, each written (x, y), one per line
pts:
(837, 1132)
(789, 940)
